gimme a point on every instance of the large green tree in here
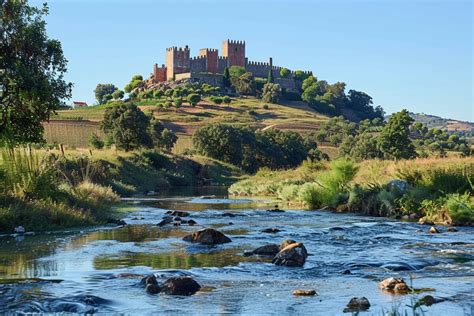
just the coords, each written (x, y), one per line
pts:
(102, 90)
(271, 92)
(394, 141)
(127, 126)
(32, 68)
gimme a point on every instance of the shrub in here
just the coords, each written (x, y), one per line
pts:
(216, 100)
(194, 99)
(310, 195)
(271, 93)
(460, 209)
(95, 141)
(226, 100)
(93, 197)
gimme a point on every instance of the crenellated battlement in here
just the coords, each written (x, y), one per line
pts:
(178, 61)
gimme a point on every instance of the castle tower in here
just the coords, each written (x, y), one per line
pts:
(177, 61)
(211, 59)
(235, 52)
(159, 73)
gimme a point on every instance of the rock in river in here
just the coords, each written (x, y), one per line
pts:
(207, 236)
(177, 213)
(271, 230)
(293, 255)
(357, 304)
(394, 285)
(267, 250)
(304, 292)
(433, 230)
(182, 285)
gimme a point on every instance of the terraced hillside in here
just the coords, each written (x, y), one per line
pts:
(66, 125)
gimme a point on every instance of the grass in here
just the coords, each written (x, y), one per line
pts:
(438, 189)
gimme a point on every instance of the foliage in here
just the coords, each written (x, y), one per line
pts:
(227, 100)
(236, 71)
(226, 81)
(301, 75)
(270, 76)
(271, 93)
(95, 141)
(127, 126)
(135, 82)
(103, 92)
(162, 137)
(243, 84)
(118, 94)
(284, 72)
(216, 100)
(394, 141)
(193, 99)
(32, 68)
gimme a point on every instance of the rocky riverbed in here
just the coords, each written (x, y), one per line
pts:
(102, 269)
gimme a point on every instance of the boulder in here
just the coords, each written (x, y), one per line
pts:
(394, 285)
(207, 236)
(165, 221)
(152, 289)
(452, 230)
(428, 300)
(357, 304)
(192, 222)
(271, 230)
(267, 250)
(118, 222)
(304, 292)
(287, 242)
(425, 222)
(182, 285)
(433, 230)
(293, 255)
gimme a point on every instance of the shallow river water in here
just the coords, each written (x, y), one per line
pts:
(99, 270)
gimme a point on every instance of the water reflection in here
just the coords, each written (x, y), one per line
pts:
(175, 260)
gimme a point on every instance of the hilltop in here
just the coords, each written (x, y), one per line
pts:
(433, 121)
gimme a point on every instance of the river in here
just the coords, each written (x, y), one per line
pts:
(99, 270)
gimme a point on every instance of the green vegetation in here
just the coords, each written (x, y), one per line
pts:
(439, 190)
(104, 92)
(32, 68)
(271, 93)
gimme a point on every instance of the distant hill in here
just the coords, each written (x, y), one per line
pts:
(433, 121)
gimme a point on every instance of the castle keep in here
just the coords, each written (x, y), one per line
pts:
(209, 66)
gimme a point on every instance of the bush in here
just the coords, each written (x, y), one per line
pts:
(216, 100)
(95, 141)
(194, 99)
(460, 209)
(94, 197)
(226, 100)
(271, 93)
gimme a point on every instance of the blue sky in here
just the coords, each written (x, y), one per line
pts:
(405, 54)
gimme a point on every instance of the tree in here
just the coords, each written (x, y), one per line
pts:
(177, 103)
(127, 126)
(394, 141)
(284, 72)
(271, 93)
(227, 100)
(270, 76)
(102, 89)
(236, 71)
(308, 82)
(226, 81)
(118, 94)
(244, 84)
(137, 81)
(301, 75)
(194, 99)
(32, 68)
(106, 98)
(162, 137)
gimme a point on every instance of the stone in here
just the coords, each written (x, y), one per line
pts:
(347, 271)
(293, 255)
(425, 222)
(267, 250)
(118, 222)
(452, 230)
(357, 304)
(19, 230)
(304, 292)
(182, 285)
(394, 285)
(149, 279)
(192, 222)
(285, 243)
(271, 230)
(165, 221)
(207, 236)
(152, 289)
(275, 210)
(429, 300)
(433, 230)
(398, 185)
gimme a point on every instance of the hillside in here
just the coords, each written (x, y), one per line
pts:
(433, 121)
(73, 127)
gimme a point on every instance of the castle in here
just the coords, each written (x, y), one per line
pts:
(209, 67)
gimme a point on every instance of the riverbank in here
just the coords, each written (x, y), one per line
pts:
(57, 189)
(438, 190)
